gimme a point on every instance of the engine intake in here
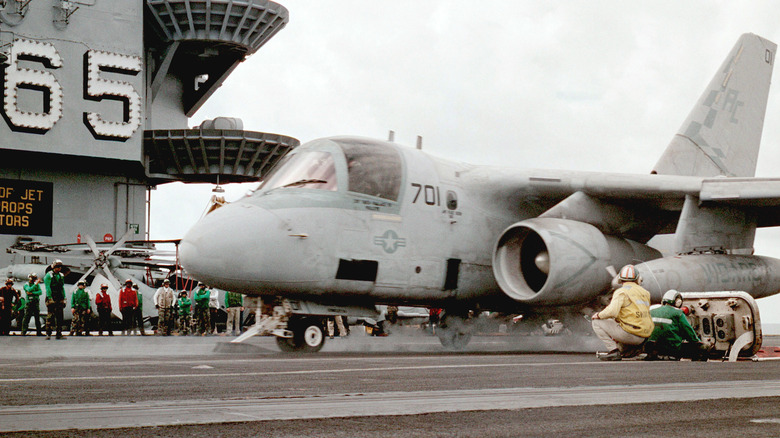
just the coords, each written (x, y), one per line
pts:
(550, 261)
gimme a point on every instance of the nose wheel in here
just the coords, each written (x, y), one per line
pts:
(308, 336)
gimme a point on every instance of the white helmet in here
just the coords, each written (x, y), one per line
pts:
(672, 297)
(628, 273)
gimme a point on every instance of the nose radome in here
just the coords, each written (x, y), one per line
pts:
(224, 248)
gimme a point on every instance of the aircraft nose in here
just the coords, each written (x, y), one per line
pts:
(224, 249)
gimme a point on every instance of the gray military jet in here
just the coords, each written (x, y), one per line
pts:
(345, 223)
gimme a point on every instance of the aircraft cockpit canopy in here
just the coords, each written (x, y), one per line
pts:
(373, 169)
(310, 169)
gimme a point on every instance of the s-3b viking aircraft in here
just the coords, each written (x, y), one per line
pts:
(345, 223)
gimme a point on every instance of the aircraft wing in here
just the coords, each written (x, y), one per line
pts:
(640, 206)
(744, 192)
(760, 196)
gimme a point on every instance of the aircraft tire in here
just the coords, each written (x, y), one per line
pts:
(454, 332)
(287, 345)
(308, 336)
(453, 339)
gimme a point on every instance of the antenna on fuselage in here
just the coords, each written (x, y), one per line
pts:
(419, 142)
(391, 136)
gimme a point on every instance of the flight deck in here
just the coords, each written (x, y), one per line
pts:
(198, 385)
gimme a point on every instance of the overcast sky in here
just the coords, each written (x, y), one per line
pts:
(597, 85)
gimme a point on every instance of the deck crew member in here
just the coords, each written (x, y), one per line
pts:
(9, 297)
(164, 299)
(202, 297)
(54, 281)
(625, 323)
(81, 309)
(235, 305)
(184, 304)
(673, 336)
(32, 289)
(138, 312)
(128, 301)
(103, 304)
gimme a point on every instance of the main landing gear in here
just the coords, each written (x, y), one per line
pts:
(454, 330)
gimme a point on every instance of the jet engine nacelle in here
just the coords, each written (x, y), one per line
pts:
(549, 261)
(757, 275)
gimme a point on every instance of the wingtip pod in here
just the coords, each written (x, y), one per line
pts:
(722, 133)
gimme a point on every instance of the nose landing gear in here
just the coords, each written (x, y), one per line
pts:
(308, 335)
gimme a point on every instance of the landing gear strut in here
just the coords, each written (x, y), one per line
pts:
(454, 331)
(299, 326)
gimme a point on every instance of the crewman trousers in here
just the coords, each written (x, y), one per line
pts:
(233, 320)
(612, 334)
(127, 319)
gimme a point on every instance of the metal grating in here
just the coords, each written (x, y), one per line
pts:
(208, 155)
(247, 23)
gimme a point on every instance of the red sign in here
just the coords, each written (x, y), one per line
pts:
(108, 238)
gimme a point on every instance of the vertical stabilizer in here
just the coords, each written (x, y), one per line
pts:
(722, 133)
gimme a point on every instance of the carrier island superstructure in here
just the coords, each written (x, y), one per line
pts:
(97, 96)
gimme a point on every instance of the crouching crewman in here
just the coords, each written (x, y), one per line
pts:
(673, 336)
(625, 323)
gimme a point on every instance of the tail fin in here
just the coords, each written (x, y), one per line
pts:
(722, 133)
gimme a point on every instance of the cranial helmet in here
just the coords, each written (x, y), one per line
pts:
(672, 297)
(32, 275)
(81, 283)
(104, 286)
(628, 273)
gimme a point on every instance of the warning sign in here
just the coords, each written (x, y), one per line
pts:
(26, 207)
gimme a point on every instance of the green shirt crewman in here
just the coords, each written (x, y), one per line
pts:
(33, 310)
(202, 319)
(55, 299)
(19, 309)
(235, 304)
(184, 304)
(673, 335)
(138, 313)
(80, 307)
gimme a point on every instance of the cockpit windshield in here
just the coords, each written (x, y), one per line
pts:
(374, 169)
(311, 170)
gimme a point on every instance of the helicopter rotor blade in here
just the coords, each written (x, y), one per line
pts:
(111, 277)
(91, 244)
(119, 243)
